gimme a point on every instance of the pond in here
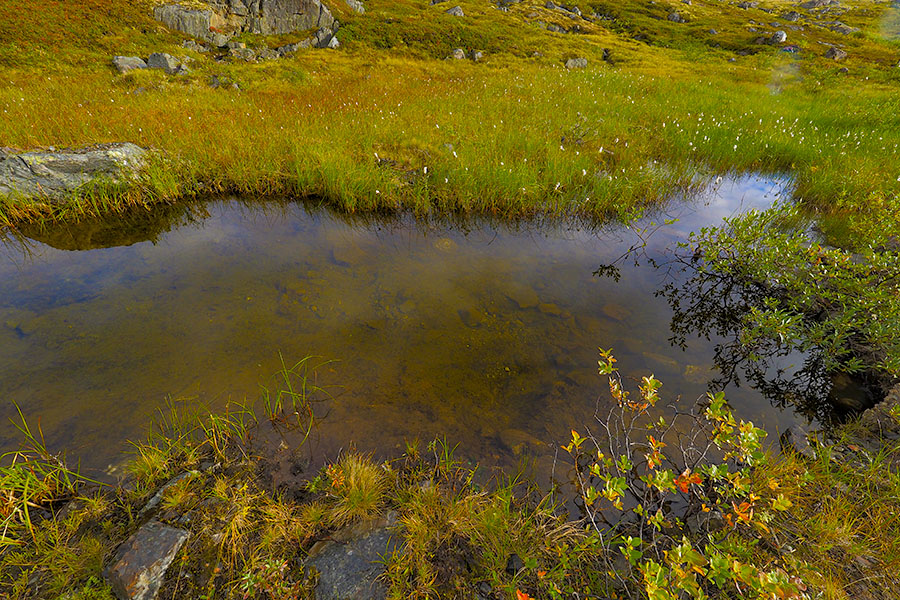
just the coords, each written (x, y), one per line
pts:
(482, 332)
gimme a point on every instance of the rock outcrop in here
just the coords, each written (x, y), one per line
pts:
(55, 175)
(223, 19)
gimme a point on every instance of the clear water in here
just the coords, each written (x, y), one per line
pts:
(481, 332)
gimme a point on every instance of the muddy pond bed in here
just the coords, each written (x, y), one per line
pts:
(481, 332)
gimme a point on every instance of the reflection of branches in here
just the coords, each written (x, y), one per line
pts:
(708, 303)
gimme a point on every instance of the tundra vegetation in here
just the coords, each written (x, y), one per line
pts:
(669, 502)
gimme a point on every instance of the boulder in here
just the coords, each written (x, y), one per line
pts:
(779, 37)
(57, 175)
(835, 53)
(196, 23)
(350, 564)
(675, 17)
(192, 45)
(357, 6)
(791, 16)
(576, 63)
(166, 62)
(225, 18)
(458, 54)
(142, 560)
(456, 11)
(476, 55)
(123, 64)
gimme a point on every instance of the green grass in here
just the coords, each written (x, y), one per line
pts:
(387, 124)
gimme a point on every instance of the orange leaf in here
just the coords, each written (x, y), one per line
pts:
(541, 574)
(520, 595)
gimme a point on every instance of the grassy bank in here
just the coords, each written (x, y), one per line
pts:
(821, 525)
(386, 122)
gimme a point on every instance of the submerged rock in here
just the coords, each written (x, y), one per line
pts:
(142, 560)
(56, 175)
(796, 439)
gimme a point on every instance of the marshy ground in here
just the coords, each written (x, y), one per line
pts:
(669, 97)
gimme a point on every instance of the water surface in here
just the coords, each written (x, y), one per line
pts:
(482, 332)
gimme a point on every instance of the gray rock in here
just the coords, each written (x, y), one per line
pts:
(791, 16)
(747, 5)
(161, 60)
(796, 439)
(433, 2)
(245, 54)
(835, 53)
(192, 45)
(357, 6)
(476, 55)
(196, 23)
(123, 64)
(839, 27)
(458, 54)
(333, 43)
(349, 566)
(323, 38)
(675, 17)
(266, 53)
(576, 63)
(218, 40)
(456, 11)
(813, 4)
(228, 17)
(713, 32)
(141, 561)
(57, 175)
(556, 28)
(779, 37)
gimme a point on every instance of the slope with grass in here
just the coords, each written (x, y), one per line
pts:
(388, 122)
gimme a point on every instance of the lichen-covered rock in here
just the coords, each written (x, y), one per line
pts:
(194, 22)
(55, 175)
(166, 62)
(142, 560)
(226, 18)
(357, 6)
(576, 63)
(123, 64)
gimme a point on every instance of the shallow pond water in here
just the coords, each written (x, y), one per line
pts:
(481, 332)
